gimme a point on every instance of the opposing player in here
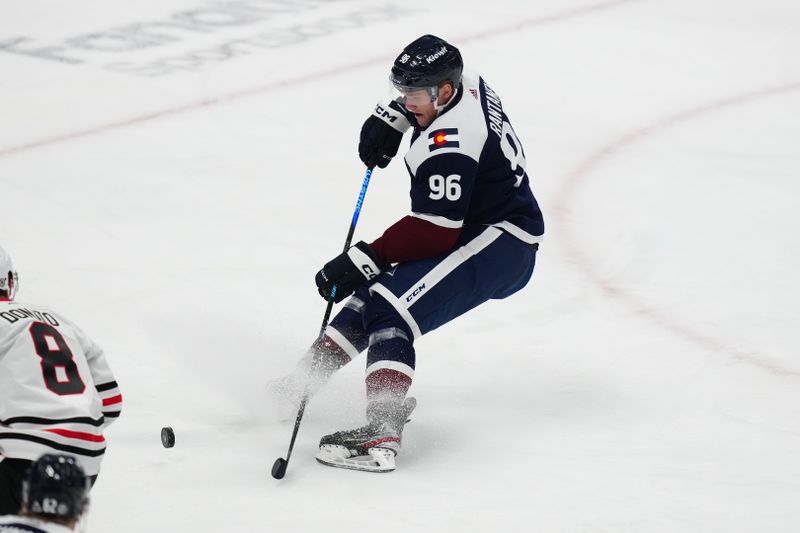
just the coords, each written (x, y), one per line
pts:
(55, 495)
(472, 236)
(57, 392)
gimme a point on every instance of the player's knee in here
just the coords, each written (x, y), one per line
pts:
(381, 315)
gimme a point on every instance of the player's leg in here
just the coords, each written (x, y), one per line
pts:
(343, 340)
(12, 472)
(390, 370)
(489, 264)
(408, 302)
(420, 296)
(391, 357)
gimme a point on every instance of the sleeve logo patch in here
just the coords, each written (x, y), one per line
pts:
(443, 138)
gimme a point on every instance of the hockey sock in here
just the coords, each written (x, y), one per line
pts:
(387, 385)
(390, 366)
(324, 358)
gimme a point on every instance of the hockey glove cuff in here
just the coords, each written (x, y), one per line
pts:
(395, 114)
(382, 132)
(348, 271)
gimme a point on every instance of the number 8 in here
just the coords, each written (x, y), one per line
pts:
(54, 357)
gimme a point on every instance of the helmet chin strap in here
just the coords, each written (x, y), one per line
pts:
(440, 108)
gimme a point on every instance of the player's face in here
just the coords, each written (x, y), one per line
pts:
(423, 107)
(420, 103)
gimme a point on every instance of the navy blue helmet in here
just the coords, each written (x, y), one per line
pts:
(427, 62)
(55, 485)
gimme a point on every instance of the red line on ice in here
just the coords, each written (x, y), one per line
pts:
(281, 84)
(578, 176)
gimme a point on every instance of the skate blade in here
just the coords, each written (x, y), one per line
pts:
(379, 459)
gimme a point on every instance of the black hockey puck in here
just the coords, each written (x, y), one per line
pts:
(167, 437)
(279, 468)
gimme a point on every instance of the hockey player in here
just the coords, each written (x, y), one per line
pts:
(57, 392)
(54, 497)
(471, 236)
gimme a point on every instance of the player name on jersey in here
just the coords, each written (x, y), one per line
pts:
(494, 111)
(22, 313)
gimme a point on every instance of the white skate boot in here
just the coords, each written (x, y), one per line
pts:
(371, 448)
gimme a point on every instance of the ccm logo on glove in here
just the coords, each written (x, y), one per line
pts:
(367, 265)
(382, 132)
(383, 114)
(348, 271)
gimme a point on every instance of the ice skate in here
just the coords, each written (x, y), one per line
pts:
(371, 448)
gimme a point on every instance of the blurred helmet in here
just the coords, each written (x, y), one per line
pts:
(9, 280)
(426, 63)
(57, 486)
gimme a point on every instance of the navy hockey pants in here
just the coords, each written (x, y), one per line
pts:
(417, 297)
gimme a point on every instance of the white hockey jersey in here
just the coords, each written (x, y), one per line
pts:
(57, 392)
(23, 524)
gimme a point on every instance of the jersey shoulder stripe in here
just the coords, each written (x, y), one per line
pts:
(461, 130)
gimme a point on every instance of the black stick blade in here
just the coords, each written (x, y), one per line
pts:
(279, 468)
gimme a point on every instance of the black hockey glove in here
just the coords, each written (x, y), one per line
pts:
(348, 271)
(382, 132)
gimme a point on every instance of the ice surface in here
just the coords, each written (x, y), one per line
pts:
(647, 381)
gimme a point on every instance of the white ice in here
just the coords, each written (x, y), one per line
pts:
(646, 381)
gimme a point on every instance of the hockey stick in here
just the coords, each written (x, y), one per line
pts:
(280, 464)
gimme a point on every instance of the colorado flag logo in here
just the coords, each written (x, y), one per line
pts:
(443, 138)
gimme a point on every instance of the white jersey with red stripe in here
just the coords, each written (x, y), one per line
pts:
(57, 392)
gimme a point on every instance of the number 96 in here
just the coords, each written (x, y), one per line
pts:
(442, 187)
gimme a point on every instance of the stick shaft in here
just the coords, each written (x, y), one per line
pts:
(347, 243)
(302, 408)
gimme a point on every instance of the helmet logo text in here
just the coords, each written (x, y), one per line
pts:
(433, 57)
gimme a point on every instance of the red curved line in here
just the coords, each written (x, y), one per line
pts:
(573, 180)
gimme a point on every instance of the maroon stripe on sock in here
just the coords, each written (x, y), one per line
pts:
(335, 356)
(387, 381)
